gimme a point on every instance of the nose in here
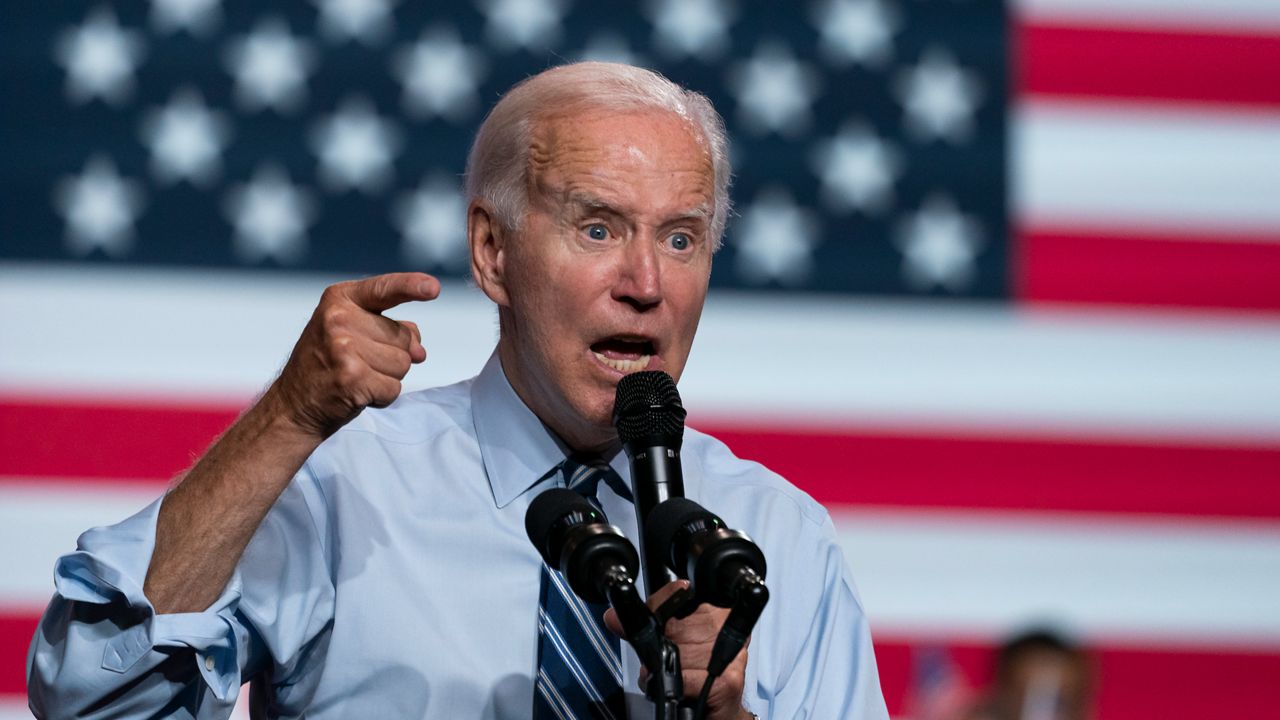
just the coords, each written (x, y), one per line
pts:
(639, 281)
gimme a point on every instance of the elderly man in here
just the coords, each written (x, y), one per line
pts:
(372, 563)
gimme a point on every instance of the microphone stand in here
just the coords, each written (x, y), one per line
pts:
(665, 681)
(643, 631)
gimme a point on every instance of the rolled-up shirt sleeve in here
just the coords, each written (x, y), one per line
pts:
(101, 650)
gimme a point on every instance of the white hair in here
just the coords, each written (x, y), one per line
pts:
(498, 164)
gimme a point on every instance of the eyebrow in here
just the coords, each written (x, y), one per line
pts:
(587, 201)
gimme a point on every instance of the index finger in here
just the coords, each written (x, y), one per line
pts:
(666, 591)
(383, 292)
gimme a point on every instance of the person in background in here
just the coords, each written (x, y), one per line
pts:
(1039, 675)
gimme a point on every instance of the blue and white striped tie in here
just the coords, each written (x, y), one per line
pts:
(579, 660)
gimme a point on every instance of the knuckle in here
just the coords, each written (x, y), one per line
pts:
(333, 316)
(332, 293)
(341, 348)
(404, 338)
(348, 372)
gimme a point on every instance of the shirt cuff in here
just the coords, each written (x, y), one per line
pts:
(109, 568)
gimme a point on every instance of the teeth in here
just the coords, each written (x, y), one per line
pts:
(624, 366)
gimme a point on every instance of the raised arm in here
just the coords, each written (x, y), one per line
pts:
(112, 644)
(349, 357)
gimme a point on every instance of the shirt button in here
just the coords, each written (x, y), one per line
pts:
(208, 662)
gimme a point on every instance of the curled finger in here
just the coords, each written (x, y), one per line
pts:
(383, 391)
(416, 349)
(387, 360)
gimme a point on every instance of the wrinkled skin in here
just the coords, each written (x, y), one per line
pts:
(615, 243)
(696, 636)
(349, 355)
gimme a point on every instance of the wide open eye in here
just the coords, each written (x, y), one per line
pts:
(680, 241)
(597, 231)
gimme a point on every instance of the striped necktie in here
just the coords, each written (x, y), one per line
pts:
(579, 659)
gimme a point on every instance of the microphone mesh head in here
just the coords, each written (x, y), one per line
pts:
(548, 509)
(647, 405)
(665, 521)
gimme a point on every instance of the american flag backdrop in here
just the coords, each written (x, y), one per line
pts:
(1002, 289)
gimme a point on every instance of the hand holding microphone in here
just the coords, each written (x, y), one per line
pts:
(600, 564)
(724, 567)
(679, 538)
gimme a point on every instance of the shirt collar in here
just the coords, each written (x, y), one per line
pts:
(517, 450)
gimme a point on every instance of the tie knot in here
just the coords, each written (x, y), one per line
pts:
(584, 477)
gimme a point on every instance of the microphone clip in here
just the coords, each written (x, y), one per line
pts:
(681, 604)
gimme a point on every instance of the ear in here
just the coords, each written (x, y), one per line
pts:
(487, 239)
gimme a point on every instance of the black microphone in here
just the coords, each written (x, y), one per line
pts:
(719, 563)
(724, 567)
(650, 421)
(574, 537)
(600, 564)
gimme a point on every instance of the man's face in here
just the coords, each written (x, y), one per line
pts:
(609, 271)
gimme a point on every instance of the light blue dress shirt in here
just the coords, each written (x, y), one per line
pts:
(393, 579)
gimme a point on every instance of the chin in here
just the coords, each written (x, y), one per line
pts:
(593, 406)
(600, 414)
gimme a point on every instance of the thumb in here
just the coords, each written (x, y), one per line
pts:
(383, 292)
(611, 621)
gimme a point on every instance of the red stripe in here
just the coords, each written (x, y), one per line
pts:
(1132, 682)
(1149, 65)
(16, 631)
(113, 442)
(104, 439)
(1161, 270)
(869, 468)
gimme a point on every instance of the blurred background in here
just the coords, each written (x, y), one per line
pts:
(1002, 291)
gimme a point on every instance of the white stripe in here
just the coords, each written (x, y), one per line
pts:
(557, 703)
(44, 519)
(578, 475)
(1228, 15)
(1153, 581)
(214, 335)
(583, 615)
(188, 335)
(775, 360)
(548, 627)
(1205, 171)
(14, 707)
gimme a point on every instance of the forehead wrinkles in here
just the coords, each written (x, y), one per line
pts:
(559, 153)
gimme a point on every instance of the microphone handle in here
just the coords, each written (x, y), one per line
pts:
(655, 476)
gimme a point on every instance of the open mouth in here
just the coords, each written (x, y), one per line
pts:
(626, 354)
